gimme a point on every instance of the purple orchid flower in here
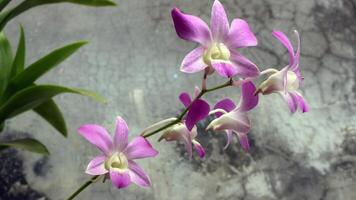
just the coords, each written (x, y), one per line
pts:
(117, 158)
(198, 109)
(218, 44)
(234, 119)
(180, 132)
(286, 81)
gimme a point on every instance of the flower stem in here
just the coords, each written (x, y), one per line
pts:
(85, 185)
(180, 117)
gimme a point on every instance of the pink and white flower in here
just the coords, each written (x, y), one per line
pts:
(180, 132)
(117, 155)
(218, 43)
(233, 119)
(286, 82)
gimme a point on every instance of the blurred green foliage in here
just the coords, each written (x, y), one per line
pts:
(18, 91)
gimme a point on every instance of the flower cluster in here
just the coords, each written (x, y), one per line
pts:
(217, 52)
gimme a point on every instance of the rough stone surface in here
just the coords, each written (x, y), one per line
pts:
(133, 60)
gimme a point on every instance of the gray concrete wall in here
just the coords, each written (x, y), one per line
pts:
(133, 60)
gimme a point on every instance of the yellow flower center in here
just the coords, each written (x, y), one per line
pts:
(217, 51)
(117, 161)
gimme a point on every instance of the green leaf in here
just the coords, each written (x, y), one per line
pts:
(86, 2)
(50, 112)
(28, 4)
(43, 65)
(3, 4)
(96, 3)
(19, 61)
(5, 62)
(33, 96)
(27, 144)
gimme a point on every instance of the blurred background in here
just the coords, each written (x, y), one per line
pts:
(133, 60)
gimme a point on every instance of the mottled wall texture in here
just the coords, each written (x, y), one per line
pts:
(133, 60)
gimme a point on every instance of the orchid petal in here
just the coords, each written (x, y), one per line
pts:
(302, 103)
(244, 67)
(228, 138)
(96, 166)
(291, 100)
(200, 150)
(295, 100)
(219, 23)
(234, 120)
(191, 28)
(121, 134)
(286, 43)
(225, 104)
(180, 132)
(98, 136)
(240, 35)
(187, 140)
(184, 97)
(299, 75)
(120, 180)
(219, 111)
(198, 110)
(244, 141)
(295, 66)
(285, 78)
(225, 69)
(174, 133)
(138, 148)
(137, 175)
(248, 99)
(193, 61)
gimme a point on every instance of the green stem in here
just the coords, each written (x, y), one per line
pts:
(85, 185)
(180, 117)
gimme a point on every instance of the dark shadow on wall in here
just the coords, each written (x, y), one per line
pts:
(13, 183)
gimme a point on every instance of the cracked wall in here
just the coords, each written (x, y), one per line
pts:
(133, 60)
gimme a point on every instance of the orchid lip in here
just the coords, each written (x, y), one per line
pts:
(117, 162)
(216, 51)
